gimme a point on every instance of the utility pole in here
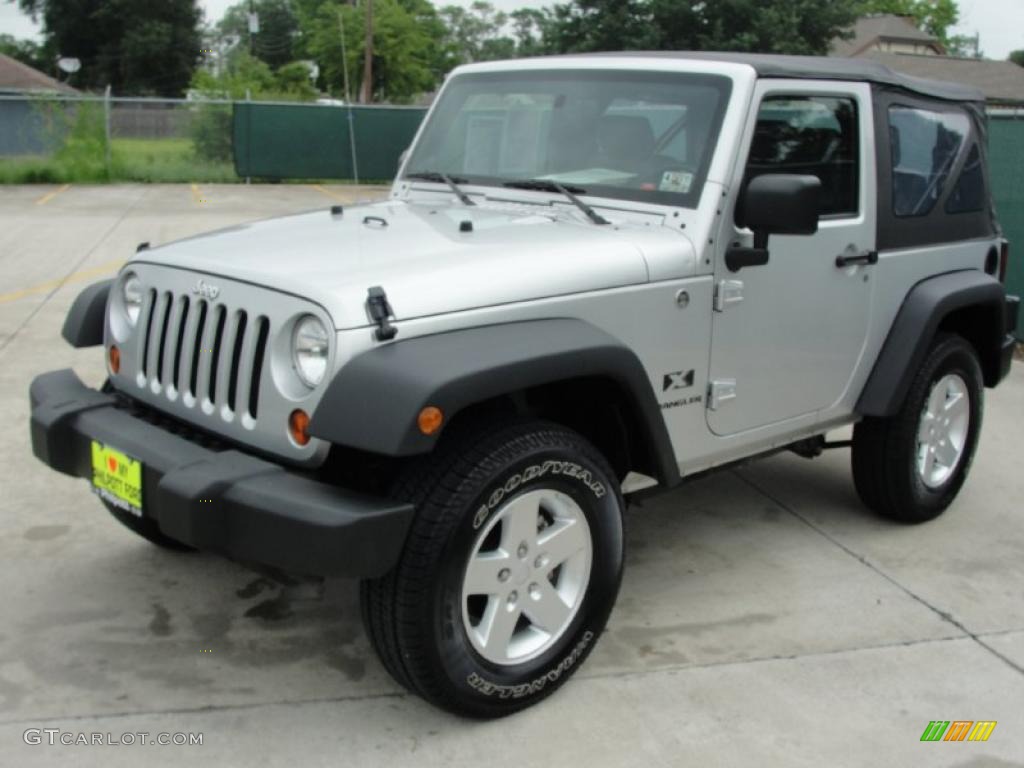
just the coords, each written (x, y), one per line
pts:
(367, 89)
(254, 27)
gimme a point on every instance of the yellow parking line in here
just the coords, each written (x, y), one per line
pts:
(324, 191)
(52, 194)
(74, 277)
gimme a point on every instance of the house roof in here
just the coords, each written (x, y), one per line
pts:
(1001, 82)
(16, 77)
(824, 68)
(869, 30)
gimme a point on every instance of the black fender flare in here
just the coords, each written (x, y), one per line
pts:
(373, 401)
(83, 326)
(919, 317)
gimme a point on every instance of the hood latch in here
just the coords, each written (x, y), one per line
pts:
(380, 310)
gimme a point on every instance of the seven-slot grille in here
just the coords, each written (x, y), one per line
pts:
(204, 352)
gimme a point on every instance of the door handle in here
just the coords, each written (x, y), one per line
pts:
(849, 259)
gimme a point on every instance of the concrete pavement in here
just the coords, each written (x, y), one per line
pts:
(766, 618)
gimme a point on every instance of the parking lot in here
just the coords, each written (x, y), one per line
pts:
(766, 618)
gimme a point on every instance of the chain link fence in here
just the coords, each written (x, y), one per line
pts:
(97, 138)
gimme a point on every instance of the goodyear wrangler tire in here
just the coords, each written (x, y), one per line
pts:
(509, 573)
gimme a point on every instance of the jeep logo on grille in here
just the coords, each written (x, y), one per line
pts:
(204, 289)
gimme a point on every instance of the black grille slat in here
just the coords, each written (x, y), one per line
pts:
(197, 348)
(222, 316)
(179, 347)
(168, 304)
(148, 331)
(236, 357)
(257, 366)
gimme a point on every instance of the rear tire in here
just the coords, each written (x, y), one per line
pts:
(509, 573)
(910, 467)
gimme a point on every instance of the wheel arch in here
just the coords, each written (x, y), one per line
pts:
(564, 370)
(969, 303)
(83, 325)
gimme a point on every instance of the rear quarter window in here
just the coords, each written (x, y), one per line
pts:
(925, 145)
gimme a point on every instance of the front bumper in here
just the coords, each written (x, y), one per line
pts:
(252, 510)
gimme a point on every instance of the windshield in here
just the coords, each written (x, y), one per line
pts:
(630, 135)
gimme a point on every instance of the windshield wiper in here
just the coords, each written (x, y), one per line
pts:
(548, 185)
(444, 178)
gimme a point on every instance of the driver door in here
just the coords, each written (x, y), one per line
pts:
(787, 335)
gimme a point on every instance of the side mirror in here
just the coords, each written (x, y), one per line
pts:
(774, 204)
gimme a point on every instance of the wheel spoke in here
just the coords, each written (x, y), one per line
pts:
(924, 428)
(955, 408)
(562, 541)
(928, 464)
(482, 573)
(545, 607)
(496, 627)
(519, 523)
(946, 453)
(937, 398)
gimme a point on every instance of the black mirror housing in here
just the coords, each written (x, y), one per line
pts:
(780, 204)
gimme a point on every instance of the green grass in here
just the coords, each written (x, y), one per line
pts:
(164, 160)
(147, 160)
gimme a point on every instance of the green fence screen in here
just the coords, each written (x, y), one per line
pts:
(308, 141)
(1006, 160)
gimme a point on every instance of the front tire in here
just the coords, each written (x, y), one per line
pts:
(911, 466)
(510, 571)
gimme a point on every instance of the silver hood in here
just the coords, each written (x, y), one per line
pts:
(422, 259)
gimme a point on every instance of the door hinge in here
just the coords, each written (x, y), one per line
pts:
(727, 293)
(720, 391)
(379, 309)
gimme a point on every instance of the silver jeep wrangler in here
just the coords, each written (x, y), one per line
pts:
(594, 276)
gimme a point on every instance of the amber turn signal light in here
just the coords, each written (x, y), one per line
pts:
(115, 359)
(430, 420)
(298, 426)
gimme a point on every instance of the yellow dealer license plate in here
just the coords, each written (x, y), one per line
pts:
(117, 478)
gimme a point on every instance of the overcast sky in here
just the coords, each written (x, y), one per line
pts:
(999, 22)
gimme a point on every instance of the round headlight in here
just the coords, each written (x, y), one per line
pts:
(309, 350)
(131, 297)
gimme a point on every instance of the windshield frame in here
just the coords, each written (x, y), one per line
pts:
(720, 82)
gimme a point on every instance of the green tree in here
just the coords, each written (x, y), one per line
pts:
(26, 51)
(407, 59)
(602, 25)
(768, 26)
(477, 33)
(805, 27)
(531, 29)
(136, 46)
(1017, 57)
(276, 42)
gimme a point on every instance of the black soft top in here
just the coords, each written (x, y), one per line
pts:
(821, 68)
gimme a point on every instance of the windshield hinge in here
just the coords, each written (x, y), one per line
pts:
(380, 310)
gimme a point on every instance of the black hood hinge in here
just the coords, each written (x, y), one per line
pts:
(380, 310)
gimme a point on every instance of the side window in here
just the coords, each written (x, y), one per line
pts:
(925, 145)
(814, 135)
(969, 193)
